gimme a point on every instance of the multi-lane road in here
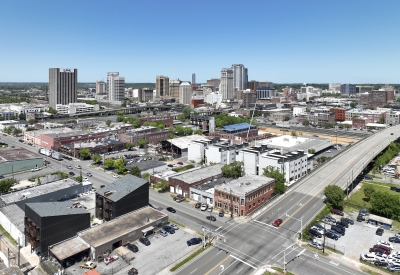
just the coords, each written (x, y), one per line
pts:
(251, 245)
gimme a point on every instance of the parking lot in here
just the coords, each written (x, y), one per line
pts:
(359, 238)
(161, 253)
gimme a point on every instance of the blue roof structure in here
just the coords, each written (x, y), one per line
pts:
(238, 127)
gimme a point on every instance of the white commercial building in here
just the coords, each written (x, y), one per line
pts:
(213, 98)
(226, 85)
(76, 108)
(115, 87)
(299, 110)
(185, 93)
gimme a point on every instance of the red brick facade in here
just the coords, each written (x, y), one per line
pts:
(167, 119)
(340, 114)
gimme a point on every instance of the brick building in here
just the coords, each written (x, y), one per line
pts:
(377, 98)
(249, 98)
(167, 119)
(50, 140)
(181, 183)
(360, 122)
(151, 134)
(340, 114)
(244, 195)
(236, 132)
(196, 102)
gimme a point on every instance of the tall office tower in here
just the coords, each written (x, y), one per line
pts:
(100, 87)
(174, 88)
(162, 86)
(115, 87)
(185, 93)
(63, 84)
(226, 85)
(239, 77)
(193, 78)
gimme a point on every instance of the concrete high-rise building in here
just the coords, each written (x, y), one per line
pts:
(193, 78)
(162, 86)
(239, 76)
(252, 85)
(63, 84)
(214, 82)
(226, 85)
(115, 87)
(348, 89)
(100, 87)
(174, 88)
(185, 93)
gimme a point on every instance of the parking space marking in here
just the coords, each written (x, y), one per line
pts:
(239, 270)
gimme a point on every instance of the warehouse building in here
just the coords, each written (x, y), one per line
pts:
(124, 195)
(49, 223)
(16, 160)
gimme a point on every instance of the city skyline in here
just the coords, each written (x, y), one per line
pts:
(291, 42)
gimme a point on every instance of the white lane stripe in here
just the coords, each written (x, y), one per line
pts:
(243, 262)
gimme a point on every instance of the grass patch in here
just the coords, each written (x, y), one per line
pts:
(190, 257)
(184, 168)
(334, 250)
(325, 211)
(5, 233)
(313, 249)
(281, 270)
(369, 271)
(177, 223)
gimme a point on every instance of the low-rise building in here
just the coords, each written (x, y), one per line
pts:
(340, 113)
(360, 122)
(393, 118)
(16, 160)
(76, 108)
(244, 195)
(373, 115)
(151, 134)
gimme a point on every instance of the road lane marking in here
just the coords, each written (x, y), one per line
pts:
(239, 270)
(217, 265)
(243, 262)
(218, 228)
(266, 224)
(334, 263)
(193, 271)
(311, 262)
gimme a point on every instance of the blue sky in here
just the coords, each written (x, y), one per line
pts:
(283, 41)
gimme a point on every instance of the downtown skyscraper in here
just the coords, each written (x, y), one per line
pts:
(240, 77)
(115, 87)
(63, 85)
(226, 85)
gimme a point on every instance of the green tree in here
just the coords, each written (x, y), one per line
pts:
(38, 181)
(120, 113)
(52, 111)
(170, 136)
(234, 170)
(368, 191)
(311, 151)
(146, 123)
(8, 129)
(121, 170)
(186, 112)
(146, 176)
(31, 121)
(84, 153)
(129, 145)
(17, 131)
(188, 131)
(119, 162)
(294, 134)
(142, 143)
(286, 118)
(136, 123)
(385, 204)
(306, 122)
(160, 126)
(198, 132)
(181, 117)
(334, 195)
(381, 120)
(135, 171)
(108, 122)
(109, 163)
(96, 158)
(22, 116)
(120, 118)
(353, 104)
(274, 173)
(6, 184)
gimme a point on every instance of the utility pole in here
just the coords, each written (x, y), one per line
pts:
(323, 247)
(231, 203)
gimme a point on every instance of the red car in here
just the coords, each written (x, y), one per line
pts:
(337, 212)
(180, 163)
(380, 250)
(387, 249)
(277, 223)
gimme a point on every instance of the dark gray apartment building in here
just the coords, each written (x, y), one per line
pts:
(63, 84)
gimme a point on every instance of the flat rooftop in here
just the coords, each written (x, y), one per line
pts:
(291, 143)
(183, 142)
(68, 248)
(194, 175)
(122, 187)
(50, 131)
(244, 185)
(68, 134)
(36, 191)
(15, 215)
(18, 153)
(111, 230)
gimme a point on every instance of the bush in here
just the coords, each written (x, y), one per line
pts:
(184, 168)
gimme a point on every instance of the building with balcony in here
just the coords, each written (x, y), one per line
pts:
(49, 223)
(124, 195)
(244, 195)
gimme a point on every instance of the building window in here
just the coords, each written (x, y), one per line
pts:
(262, 200)
(219, 204)
(258, 201)
(249, 206)
(254, 204)
(242, 202)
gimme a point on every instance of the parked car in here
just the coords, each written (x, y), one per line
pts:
(221, 213)
(180, 163)
(368, 257)
(35, 169)
(102, 186)
(169, 229)
(85, 179)
(379, 231)
(197, 205)
(110, 259)
(69, 166)
(88, 265)
(384, 243)
(342, 223)
(194, 241)
(379, 250)
(211, 218)
(350, 221)
(394, 239)
(133, 247)
(337, 212)
(368, 178)
(393, 268)
(360, 218)
(170, 165)
(331, 235)
(316, 245)
(170, 209)
(163, 233)
(204, 207)
(174, 226)
(314, 233)
(177, 197)
(71, 173)
(321, 231)
(78, 166)
(210, 209)
(180, 199)
(337, 234)
(144, 241)
(363, 212)
(277, 223)
(338, 229)
(382, 247)
(88, 174)
(133, 271)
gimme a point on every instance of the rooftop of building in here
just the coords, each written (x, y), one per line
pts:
(120, 226)
(291, 143)
(15, 154)
(68, 248)
(51, 209)
(121, 187)
(238, 127)
(15, 215)
(36, 191)
(197, 174)
(67, 133)
(210, 185)
(183, 142)
(244, 185)
(366, 111)
(12, 270)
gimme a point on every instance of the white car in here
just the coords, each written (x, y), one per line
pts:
(35, 169)
(381, 257)
(85, 179)
(368, 257)
(115, 176)
(204, 207)
(316, 245)
(384, 243)
(69, 167)
(174, 226)
(321, 231)
(78, 166)
(328, 151)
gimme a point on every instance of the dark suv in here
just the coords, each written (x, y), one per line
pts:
(379, 231)
(314, 233)
(144, 241)
(338, 229)
(169, 229)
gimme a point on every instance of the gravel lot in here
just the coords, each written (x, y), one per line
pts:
(151, 259)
